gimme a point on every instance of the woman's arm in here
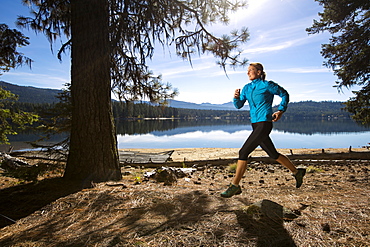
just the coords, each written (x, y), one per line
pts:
(238, 100)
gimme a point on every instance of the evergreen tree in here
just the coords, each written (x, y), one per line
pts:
(11, 119)
(111, 41)
(360, 105)
(348, 53)
(10, 40)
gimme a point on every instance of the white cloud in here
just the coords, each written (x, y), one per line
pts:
(292, 34)
(171, 73)
(303, 70)
(35, 79)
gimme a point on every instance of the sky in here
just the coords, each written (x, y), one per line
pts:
(278, 40)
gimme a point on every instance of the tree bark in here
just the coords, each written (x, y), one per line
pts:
(93, 155)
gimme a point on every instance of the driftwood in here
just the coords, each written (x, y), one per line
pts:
(139, 158)
(130, 157)
(21, 169)
(12, 163)
(42, 155)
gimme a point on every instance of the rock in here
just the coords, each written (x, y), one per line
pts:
(201, 168)
(165, 175)
(271, 170)
(168, 175)
(127, 173)
(325, 227)
(272, 210)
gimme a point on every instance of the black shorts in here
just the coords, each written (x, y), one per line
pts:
(259, 137)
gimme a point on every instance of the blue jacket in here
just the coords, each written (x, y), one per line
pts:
(260, 95)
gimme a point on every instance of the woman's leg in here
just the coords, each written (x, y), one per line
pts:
(270, 149)
(297, 173)
(240, 170)
(268, 146)
(234, 188)
(285, 161)
(259, 133)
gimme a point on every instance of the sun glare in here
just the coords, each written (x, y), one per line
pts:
(253, 8)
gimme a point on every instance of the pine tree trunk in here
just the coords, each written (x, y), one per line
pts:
(93, 155)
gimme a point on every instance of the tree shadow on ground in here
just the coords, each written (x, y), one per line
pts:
(265, 223)
(120, 217)
(103, 217)
(20, 201)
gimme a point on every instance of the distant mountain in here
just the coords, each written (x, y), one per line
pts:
(204, 106)
(308, 109)
(29, 94)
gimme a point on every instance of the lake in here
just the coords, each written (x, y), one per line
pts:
(232, 134)
(170, 134)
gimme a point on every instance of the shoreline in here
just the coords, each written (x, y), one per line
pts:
(198, 154)
(214, 154)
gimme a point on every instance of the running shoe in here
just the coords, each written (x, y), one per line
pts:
(299, 177)
(231, 191)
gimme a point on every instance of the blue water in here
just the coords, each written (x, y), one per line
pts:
(324, 135)
(170, 134)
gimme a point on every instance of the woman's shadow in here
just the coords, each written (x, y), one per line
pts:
(264, 221)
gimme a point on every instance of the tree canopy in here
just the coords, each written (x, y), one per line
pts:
(136, 27)
(10, 41)
(348, 52)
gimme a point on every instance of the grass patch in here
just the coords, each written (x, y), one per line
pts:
(312, 169)
(232, 168)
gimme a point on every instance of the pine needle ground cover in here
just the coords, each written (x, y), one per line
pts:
(332, 209)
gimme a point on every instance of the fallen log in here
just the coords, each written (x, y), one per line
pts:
(296, 158)
(132, 157)
(18, 168)
(321, 156)
(13, 163)
(125, 157)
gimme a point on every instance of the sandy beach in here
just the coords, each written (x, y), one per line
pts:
(196, 154)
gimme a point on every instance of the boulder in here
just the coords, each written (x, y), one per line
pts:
(269, 209)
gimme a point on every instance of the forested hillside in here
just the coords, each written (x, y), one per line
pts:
(38, 100)
(307, 109)
(312, 109)
(32, 94)
(143, 110)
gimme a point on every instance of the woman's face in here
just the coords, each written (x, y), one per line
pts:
(253, 73)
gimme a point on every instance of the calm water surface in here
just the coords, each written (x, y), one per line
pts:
(170, 134)
(232, 134)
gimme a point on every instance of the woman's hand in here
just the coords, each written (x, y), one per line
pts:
(237, 94)
(277, 115)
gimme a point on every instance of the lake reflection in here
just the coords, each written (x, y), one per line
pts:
(169, 134)
(232, 134)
